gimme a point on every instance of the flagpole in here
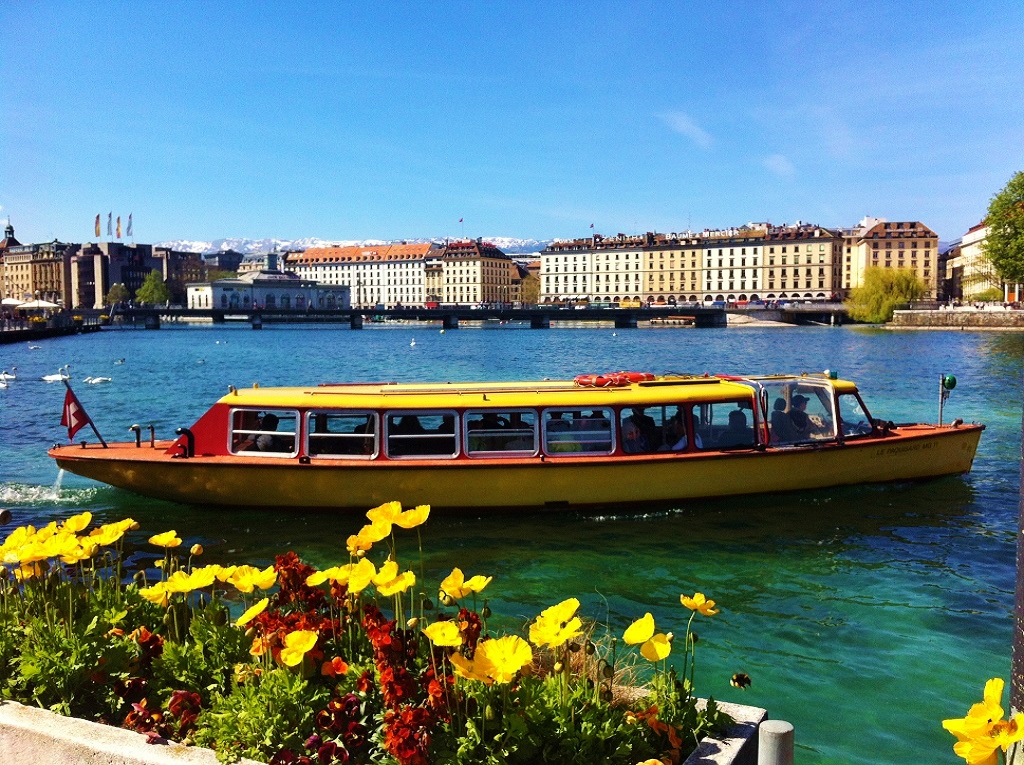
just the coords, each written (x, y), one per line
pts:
(92, 424)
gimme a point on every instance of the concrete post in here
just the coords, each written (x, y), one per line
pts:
(775, 743)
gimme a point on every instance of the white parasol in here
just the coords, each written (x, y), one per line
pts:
(37, 304)
(11, 301)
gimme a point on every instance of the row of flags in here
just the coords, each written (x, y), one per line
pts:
(110, 225)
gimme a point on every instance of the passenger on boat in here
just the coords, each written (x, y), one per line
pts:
(266, 442)
(738, 434)
(782, 426)
(639, 431)
(680, 438)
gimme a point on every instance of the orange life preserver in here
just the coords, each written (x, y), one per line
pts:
(633, 377)
(595, 381)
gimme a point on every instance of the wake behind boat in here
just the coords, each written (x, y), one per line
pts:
(625, 438)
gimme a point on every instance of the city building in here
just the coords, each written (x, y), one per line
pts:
(878, 243)
(395, 275)
(970, 273)
(225, 260)
(35, 271)
(273, 289)
(98, 266)
(755, 262)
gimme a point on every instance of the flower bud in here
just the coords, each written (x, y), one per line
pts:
(590, 648)
(197, 549)
(485, 612)
(489, 714)
(574, 647)
(557, 669)
(608, 672)
(412, 622)
(135, 526)
(445, 598)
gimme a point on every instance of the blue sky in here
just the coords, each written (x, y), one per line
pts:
(349, 120)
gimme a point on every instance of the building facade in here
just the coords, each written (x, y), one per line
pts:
(459, 273)
(756, 262)
(98, 266)
(878, 243)
(268, 289)
(970, 272)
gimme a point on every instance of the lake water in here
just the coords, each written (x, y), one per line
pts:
(863, 615)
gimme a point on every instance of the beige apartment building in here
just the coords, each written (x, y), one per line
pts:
(756, 262)
(876, 242)
(459, 273)
(970, 272)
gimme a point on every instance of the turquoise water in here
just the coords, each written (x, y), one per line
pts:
(863, 615)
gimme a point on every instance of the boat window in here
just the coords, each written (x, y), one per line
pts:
(724, 425)
(801, 412)
(341, 434)
(578, 430)
(421, 434)
(493, 432)
(853, 416)
(644, 428)
(271, 431)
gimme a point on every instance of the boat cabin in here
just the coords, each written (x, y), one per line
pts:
(652, 416)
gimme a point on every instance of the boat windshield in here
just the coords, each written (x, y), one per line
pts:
(854, 419)
(801, 411)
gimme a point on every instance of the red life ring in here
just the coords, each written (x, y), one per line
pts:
(595, 381)
(633, 377)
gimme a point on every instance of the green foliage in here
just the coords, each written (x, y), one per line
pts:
(1004, 243)
(118, 294)
(991, 295)
(214, 275)
(883, 291)
(258, 718)
(153, 290)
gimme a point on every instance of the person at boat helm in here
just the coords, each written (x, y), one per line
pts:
(680, 438)
(801, 423)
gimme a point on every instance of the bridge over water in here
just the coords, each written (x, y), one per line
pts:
(540, 317)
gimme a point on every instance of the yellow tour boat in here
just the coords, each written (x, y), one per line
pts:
(620, 439)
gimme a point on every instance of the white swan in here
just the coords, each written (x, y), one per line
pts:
(62, 374)
(95, 380)
(412, 344)
(5, 375)
(34, 347)
(3, 384)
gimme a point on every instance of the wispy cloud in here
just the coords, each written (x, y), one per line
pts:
(683, 124)
(780, 165)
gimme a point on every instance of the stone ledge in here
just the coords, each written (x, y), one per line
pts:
(30, 734)
(33, 735)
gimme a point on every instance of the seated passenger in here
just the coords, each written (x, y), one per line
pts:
(738, 434)
(639, 431)
(265, 442)
(801, 423)
(782, 426)
(680, 438)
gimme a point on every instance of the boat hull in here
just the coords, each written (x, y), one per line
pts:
(911, 452)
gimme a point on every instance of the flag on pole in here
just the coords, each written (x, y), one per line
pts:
(591, 225)
(97, 225)
(110, 231)
(118, 226)
(129, 232)
(73, 417)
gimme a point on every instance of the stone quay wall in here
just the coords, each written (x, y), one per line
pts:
(959, 318)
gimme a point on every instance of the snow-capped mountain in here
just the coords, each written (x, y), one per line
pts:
(508, 245)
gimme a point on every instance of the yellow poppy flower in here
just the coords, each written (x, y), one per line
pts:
(640, 631)
(316, 578)
(247, 578)
(399, 584)
(156, 594)
(657, 648)
(386, 512)
(252, 612)
(983, 730)
(376, 531)
(360, 575)
(699, 603)
(556, 625)
(410, 519)
(296, 645)
(495, 661)
(223, 573)
(444, 633)
(457, 586)
(357, 543)
(166, 540)
(179, 581)
(507, 656)
(335, 574)
(387, 572)
(77, 523)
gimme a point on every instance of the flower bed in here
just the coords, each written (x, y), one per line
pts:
(318, 671)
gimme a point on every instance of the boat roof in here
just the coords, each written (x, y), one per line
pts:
(665, 389)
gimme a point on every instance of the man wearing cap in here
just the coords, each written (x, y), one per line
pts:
(798, 416)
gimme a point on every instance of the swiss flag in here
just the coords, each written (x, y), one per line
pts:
(73, 416)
